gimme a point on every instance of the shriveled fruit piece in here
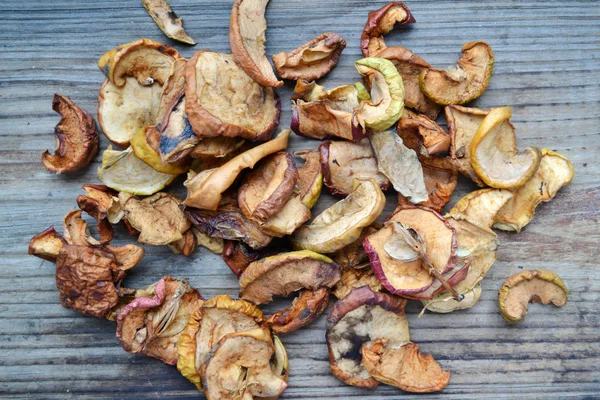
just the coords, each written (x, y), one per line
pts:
(410, 66)
(437, 235)
(285, 222)
(46, 244)
(238, 255)
(129, 99)
(286, 273)
(76, 138)
(531, 286)
(177, 139)
(265, 190)
(151, 325)
(127, 256)
(310, 177)
(219, 147)
(342, 162)
(440, 178)
(353, 255)
(494, 154)
(308, 306)
(144, 151)
(216, 245)
(400, 165)
(76, 230)
(124, 172)
(481, 206)
(158, 218)
(247, 31)
(359, 318)
(342, 223)
(214, 86)
(555, 171)
(404, 367)
(101, 203)
(467, 81)
(312, 60)
(463, 123)
(445, 303)
(381, 22)
(186, 350)
(239, 367)
(422, 134)
(186, 245)
(166, 19)
(386, 104)
(447, 283)
(318, 113)
(209, 193)
(355, 278)
(472, 239)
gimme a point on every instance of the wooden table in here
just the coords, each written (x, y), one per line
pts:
(547, 69)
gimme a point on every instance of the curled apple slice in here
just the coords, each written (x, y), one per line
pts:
(481, 206)
(381, 22)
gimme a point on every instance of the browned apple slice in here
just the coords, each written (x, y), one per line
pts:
(46, 244)
(381, 22)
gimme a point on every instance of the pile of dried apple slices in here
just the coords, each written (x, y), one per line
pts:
(214, 117)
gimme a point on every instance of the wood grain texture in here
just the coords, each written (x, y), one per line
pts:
(547, 68)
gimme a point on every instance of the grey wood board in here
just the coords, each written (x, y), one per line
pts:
(547, 69)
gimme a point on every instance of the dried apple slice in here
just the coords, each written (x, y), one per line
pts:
(215, 85)
(177, 139)
(381, 22)
(158, 218)
(410, 66)
(308, 306)
(526, 287)
(481, 206)
(386, 104)
(494, 154)
(555, 171)
(400, 165)
(472, 239)
(359, 318)
(220, 147)
(312, 60)
(216, 245)
(186, 245)
(166, 19)
(209, 193)
(445, 303)
(353, 256)
(247, 29)
(404, 367)
(463, 123)
(152, 324)
(318, 113)
(342, 223)
(293, 214)
(266, 189)
(239, 367)
(144, 151)
(238, 255)
(310, 177)
(124, 172)
(342, 162)
(422, 134)
(101, 202)
(355, 278)
(464, 83)
(286, 273)
(46, 244)
(76, 138)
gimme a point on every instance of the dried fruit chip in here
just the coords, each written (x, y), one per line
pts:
(422, 134)
(186, 245)
(177, 139)
(308, 306)
(208, 194)
(151, 325)
(239, 366)
(219, 147)
(76, 230)
(215, 85)
(286, 273)
(158, 218)
(310, 177)
(379, 23)
(386, 104)
(127, 256)
(312, 60)
(166, 19)
(46, 244)
(494, 154)
(247, 29)
(451, 278)
(472, 239)
(359, 318)
(355, 278)
(319, 113)
(353, 256)
(267, 188)
(531, 286)
(129, 99)
(293, 214)
(555, 171)
(124, 172)
(464, 83)
(238, 255)
(404, 367)
(144, 151)
(76, 138)
(342, 223)
(463, 123)
(409, 66)
(481, 206)
(400, 165)
(101, 202)
(445, 303)
(342, 162)
(216, 245)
